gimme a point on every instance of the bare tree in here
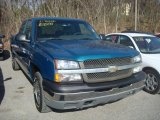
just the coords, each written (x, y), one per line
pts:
(105, 15)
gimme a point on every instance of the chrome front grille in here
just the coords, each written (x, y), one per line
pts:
(102, 63)
(106, 76)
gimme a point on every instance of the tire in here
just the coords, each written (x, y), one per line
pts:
(15, 65)
(1, 58)
(152, 82)
(38, 94)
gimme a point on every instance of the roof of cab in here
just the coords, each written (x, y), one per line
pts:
(56, 18)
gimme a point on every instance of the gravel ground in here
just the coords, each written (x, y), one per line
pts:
(18, 103)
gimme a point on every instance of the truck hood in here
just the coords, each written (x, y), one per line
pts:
(80, 50)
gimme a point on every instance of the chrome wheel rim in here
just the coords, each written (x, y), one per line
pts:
(151, 82)
(37, 92)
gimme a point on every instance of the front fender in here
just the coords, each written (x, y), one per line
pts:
(44, 63)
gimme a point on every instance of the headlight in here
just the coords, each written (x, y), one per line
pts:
(65, 64)
(137, 69)
(137, 59)
(68, 77)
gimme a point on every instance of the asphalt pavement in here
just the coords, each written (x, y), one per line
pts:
(18, 103)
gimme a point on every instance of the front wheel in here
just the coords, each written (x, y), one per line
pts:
(152, 82)
(38, 94)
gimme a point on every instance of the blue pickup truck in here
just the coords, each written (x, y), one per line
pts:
(71, 67)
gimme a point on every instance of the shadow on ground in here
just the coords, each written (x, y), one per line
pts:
(2, 88)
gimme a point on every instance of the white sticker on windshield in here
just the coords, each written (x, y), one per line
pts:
(46, 23)
(148, 40)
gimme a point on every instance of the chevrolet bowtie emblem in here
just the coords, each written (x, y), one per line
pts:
(112, 68)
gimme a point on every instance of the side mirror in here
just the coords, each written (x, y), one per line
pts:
(2, 36)
(102, 36)
(22, 38)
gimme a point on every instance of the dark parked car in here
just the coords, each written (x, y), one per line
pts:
(1, 47)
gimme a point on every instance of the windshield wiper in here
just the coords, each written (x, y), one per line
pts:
(45, 39)
(54, 39)
(85, 39)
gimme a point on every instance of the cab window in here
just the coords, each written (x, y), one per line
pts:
(28, 30)
(23, 26)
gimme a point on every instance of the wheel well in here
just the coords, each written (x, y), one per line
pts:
(150, 68)
(34, 69)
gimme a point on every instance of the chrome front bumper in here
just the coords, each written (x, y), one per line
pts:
(64, 101)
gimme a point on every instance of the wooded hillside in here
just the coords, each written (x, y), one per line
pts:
(105, 15)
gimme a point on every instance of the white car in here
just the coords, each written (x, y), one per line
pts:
(149, 48)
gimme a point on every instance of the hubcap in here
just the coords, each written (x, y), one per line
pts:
(37, 93)
(151, 82)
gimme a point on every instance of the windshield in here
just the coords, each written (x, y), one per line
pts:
(148, 44)
(65, 30)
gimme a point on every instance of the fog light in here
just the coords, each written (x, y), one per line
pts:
(137, 69)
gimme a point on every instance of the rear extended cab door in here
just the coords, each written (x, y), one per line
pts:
(21, 49)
